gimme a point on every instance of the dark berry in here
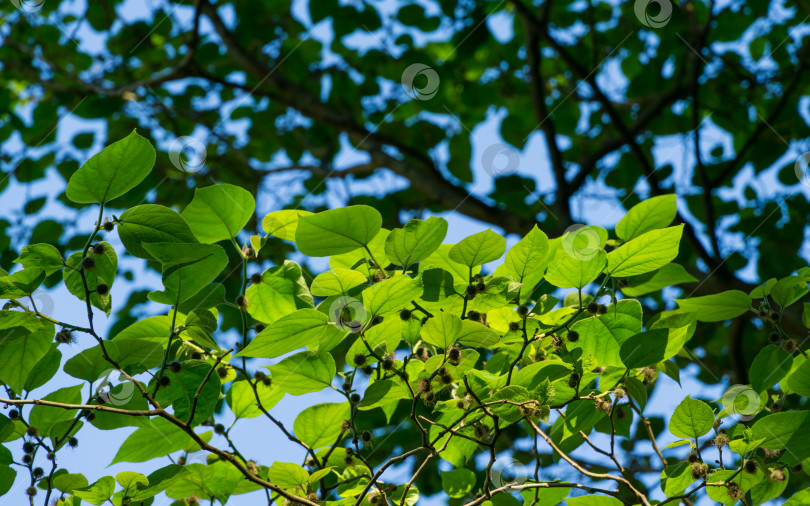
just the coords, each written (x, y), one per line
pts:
(405, 315)
(196, 355)
(31, 491)
(267, 382)
(88, 263)
(377, 320)
(73, 442)
(219, 428)
(514, 326)
(346, 387)
(241, 301)
(446, 379)
(365, 436)
(750, 467)
(175, 367)
(32, 431)
(348, 461)
(573, 381)
(98, 248)
(790, 345)
(109, 226)
(64, 336)
(453, 355)
(573, 336)
(481, 287)
(773, 315)
(602, 309)
(774, 337)
(359, 360)
(164, 381)
(699, 470)
(471, 291)
(256, 278)
(27, 458)
(460, 404)
(37, 472)
(367, 370)
(28, 447)
(593, 307)
(346, 425)
(222, 372)
(259, 327)
(388, 363)
(692, 458)
(474, 316)
(354, 398)
(13, 414)
(523, 310)
(422, 353)
(102, 289)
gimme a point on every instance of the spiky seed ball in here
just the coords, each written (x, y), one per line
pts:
(196, 355)
(593, 307)
(256, 278)
(388, 363)
(601, 309)
(573, 336)
(774, 337)
(28, 447)
(27, 458)
(164, 381)
(471, 292)
(692, 457)
(365, 436)
(31, 491)
(108, 226)
(422, 353)
(776, 474)
(310, 462)
(175, 367)
(348, 461)
(453, 355)
(219, 428)
(249, 252)
(241, 301)
(259, 375)
(405, 315)
(773, 315)
(514, 326)
(267, 382)
(481, 287)
(734, 490)
(32, 431)
(446, 379)
(522, 310)
(460, 404)
(13, 414)
(354, 398)
(573, 380)
(102, 289)
(73, 442)
(367, 370)
(88, 263)
(260, 328)
(98, 248)
(750, 467)
(359, 360)
(38, 472)
(51, 455)
(721, 439)
(699, 470)
(474, 316)
(222, 372)
(64, 336)
(790, 345)
(346, 425)
(429, 398)
(346, 387)
(374, 499)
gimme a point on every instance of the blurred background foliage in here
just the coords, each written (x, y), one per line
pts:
(557, 112)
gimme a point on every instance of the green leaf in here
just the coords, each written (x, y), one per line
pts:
(567, 271)
(603, 335)
(337, 281)
(364, 260)
(159, 481)
(183, 387)
(717, 307)
(114, 171)
(218, 212)
(242, 399)
(441, 330)
(98, 492)
(133, 354)
(305, 327)
(24, 341)
(186, 270)
(68, 482)
(284, 223)
(593, 500)
(44, 256)
(383, 393)
(106, 266)
(458, 482)
(645, 253)
(475, 335)
(668, 275)
(304, 372)
(158, 439)
(788, 430)
(131, 480)
(45, 369)
(7, 473)
(287, 475)
(788, 290)
(651, 214)
(391, 294)
(440, 259)
(799, 380)
(415, 241)
(319, 425)
(769, 367)
(478, 249)
(44, 418)
(150, 223)
(21, 283)
(691, 419)
(337, 231)
(281, 291)
(675, 478)
(526, 257)
(644, 349)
